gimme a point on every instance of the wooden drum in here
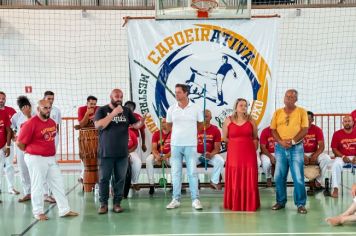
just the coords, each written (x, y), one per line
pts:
(88, 153)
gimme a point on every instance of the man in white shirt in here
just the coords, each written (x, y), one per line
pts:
(57, 117)
(184, 119)
(17, 121)
(55, 113)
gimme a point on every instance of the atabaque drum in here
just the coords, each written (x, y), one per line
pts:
(88, 153)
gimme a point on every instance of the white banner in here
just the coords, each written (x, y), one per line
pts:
(232, 58)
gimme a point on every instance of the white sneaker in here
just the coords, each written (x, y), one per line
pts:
(173, 204)
(197, 205)
(130, 194)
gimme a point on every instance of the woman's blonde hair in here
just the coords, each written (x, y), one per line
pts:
(234, 113)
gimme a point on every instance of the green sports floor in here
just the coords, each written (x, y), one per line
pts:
(145, 215)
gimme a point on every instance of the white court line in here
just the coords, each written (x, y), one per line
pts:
(232, 234)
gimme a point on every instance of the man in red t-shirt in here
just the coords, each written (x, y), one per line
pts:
(213, 144)
(139, 132)
(135, 160)
(5, 137)
(86, 113)
(158, 154)
(353, 114)
(37, 139)
(8, 163)
(314, 146)
(268, 159)
(343, 145)
(86, 119)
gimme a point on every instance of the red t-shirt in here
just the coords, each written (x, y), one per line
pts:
(267, 139)
(138, 118)
(310, 141)
(39, 136)
(213, 136)
(10, 111)
(344, 142)
(166, 144)
(4, 123)
(353, 114)
(82, 110)
(132, 139)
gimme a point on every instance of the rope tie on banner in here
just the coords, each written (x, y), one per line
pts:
(163, 180)
(204, 129)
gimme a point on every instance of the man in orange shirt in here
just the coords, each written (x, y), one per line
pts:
(289, 126)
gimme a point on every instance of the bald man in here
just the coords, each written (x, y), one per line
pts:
(113, 121)
(213, 144)
(343, 145)
(37, 140)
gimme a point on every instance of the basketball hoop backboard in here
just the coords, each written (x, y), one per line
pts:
(183, 9)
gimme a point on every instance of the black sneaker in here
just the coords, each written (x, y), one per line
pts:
(152, 190)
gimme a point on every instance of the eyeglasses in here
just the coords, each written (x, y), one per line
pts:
(287, 120)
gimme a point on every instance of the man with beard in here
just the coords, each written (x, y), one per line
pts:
(37, 139)
(343, 145)
(86, 113)
(86, 116)
(113, 121)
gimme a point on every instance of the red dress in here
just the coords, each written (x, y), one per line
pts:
(241, 174)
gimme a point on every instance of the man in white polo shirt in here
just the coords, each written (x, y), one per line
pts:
(184, 119)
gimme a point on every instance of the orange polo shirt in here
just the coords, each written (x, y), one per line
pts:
(288, 126)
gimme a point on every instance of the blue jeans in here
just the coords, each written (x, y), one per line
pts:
(294, 158)
(189, 154)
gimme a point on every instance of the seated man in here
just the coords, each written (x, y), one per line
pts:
(349, 215)
(213, 144)
(267, 154)
(159, 152)
(86, 119)
(313, 150)
(343, 145)
(135, 160)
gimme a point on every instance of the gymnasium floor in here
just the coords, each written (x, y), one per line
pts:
(145, 215)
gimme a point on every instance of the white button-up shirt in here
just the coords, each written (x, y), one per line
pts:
(184, 130)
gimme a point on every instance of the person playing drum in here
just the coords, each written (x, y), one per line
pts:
(86, 119)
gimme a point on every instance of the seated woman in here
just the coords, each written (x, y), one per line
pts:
(349, 215)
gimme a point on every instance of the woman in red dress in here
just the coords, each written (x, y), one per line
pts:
(241, 174)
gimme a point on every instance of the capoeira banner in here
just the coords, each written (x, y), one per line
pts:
(232, 58)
